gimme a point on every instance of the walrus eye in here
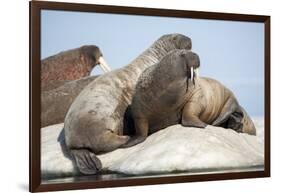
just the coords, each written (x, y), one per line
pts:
(110, 130)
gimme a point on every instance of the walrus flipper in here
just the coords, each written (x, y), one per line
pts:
(86, 161)
(229, 108)
(142, 127)
(235, 121)
(192, 121)
(190, 116)
(133, 141)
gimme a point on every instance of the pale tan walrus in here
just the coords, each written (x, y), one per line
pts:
(169, 93)
(94, 122)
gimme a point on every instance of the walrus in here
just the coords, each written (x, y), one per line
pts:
(95, 121)
(70, 65)
(171, 92)
(56, 102)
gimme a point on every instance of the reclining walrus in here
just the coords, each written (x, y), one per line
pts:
(56, 102)
(168, 93)
(63, 76)
(94, 122)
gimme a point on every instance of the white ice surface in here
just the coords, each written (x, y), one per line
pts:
(175, 148)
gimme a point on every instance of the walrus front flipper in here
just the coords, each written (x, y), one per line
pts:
(192, 121)
(190, 116)
(229, 108)
(86, 161)
(141, 126)
(133, 141)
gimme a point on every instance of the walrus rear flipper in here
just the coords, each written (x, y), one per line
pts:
(229, 108)
(235, 121)
(86, 161)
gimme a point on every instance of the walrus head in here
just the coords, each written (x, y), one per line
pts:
(93, 53)
(174, 41)
(192, 62)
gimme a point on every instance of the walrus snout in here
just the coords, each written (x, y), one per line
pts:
(192, 60)
(193, 63)
(94, 53)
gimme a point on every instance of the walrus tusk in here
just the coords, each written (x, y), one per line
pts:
(196, 71)
(103, 69)
(191, 73)
(104, 65)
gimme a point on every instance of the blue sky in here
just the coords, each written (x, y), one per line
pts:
(231, 52)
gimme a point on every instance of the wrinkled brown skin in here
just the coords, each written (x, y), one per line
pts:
(68, 65)
(56, 102)
(95, 121)
(166, 96)
(55, 84)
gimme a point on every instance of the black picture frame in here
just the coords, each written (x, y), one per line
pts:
(34, 99)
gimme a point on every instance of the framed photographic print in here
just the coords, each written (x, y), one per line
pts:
(123, 96)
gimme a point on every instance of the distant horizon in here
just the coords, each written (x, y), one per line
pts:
(231, 52)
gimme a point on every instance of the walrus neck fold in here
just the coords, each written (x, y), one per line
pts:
(154, 54)
(192, 87)
(161, 48)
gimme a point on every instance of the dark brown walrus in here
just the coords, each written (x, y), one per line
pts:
(94, 122)
(168, 94)
(56, 102)
(70, 65)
